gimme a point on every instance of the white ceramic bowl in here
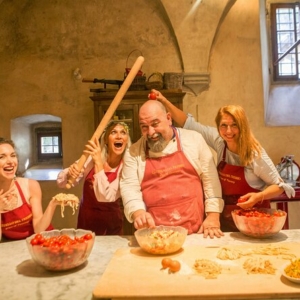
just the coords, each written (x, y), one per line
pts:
(60, 250)
(292, 279)
(161, 239)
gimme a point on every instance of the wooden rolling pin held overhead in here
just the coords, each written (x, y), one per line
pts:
(110, 112)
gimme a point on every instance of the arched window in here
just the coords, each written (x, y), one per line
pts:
(38, 140)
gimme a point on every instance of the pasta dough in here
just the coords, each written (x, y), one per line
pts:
(67, 200)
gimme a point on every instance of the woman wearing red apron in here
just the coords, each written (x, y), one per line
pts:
(234, 186)
(100, 207)
(245, 170)
(100, 217)
(20, 199)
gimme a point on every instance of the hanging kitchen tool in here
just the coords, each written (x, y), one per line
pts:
(110, 111)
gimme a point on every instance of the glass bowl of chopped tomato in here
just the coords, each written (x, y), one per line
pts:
(161, 239)
(60, 250)
(259, 222)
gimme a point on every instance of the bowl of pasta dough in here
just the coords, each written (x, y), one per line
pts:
(259, 222)
(60, 250)
(161, 239)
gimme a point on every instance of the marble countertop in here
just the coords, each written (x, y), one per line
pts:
(22, 278)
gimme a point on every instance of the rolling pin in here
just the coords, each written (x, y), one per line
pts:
(110, 112)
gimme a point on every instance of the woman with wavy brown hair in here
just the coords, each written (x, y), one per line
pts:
(247, 174)
(21, 212)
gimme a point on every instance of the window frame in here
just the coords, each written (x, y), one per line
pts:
(274, 46)
(46, 156)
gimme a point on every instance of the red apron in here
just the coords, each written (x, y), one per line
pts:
(172, 190)
(17, 223)
(104, 218)
(234, 185)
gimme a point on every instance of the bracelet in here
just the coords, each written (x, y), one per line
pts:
(263, 197)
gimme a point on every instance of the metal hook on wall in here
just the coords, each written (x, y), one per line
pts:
(77, 74)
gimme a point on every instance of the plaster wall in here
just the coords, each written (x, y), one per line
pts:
(22, 134)
(45, 41)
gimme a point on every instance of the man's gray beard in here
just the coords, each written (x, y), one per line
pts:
(157, 146)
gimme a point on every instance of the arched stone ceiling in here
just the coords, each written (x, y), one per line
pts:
(191, 20)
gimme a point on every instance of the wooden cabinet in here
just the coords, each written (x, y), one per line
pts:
(128, 109)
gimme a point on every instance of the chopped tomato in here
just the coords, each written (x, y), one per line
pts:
(258, 222)
(61, 250)
(88, 236)
(152, 96)
(34, 241)
(240, 200)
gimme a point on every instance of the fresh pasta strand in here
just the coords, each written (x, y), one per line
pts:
(67, 200)
(207, 268)
(258, 265)
(226, 253)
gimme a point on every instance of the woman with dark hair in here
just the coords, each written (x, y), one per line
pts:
(100, 207)
(20, 199)
(248, 176)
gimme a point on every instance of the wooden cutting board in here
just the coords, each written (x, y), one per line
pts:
(133, 273)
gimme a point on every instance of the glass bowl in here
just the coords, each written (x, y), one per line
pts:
(161, 239)
(60, 250)
(259, 222)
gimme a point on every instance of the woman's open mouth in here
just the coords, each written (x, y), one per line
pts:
(118, 144)
(9, 169)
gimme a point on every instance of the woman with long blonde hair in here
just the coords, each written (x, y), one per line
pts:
(246, 145)
(247, 174)
(101, 208)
